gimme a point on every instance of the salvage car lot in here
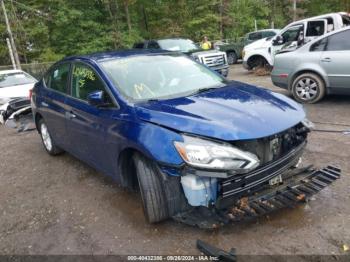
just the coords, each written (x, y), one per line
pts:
(61, 206)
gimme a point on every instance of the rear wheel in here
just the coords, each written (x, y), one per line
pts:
(46, 138)
(231, 58)
(152, 189)
(308, 88)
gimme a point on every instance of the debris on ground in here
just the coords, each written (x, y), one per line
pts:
(262, 71)
(345, 248)
(212, 251)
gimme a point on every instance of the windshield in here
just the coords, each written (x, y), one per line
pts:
(182, 45)
(159, 76)
(15, 79)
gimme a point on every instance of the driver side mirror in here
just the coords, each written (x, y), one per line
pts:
(96, 98)
(278, 40)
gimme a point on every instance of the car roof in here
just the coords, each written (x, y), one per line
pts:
(3, 72)
(116, 54)
(314, 18)
(264, 30)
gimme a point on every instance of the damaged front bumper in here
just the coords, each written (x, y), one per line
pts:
(17, 113)
(298, 187)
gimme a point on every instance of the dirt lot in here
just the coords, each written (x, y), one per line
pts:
(58, 205)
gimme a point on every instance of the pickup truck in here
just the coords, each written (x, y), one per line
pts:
(214, 59)
(294, 35)
(234, 48)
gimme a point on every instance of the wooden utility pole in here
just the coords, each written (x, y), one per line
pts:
(11, 53)
(294, 10)
(12, 41)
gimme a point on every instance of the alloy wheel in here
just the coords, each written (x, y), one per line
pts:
(46, 137)
(306, 89)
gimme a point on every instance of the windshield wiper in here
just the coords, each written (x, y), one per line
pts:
(204, 89)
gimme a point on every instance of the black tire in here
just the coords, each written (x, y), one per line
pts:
(308, 88)
(232, 58)
(152, 190)
(258, 62)
(53, 149)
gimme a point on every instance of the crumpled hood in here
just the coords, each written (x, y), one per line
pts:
(235, 112)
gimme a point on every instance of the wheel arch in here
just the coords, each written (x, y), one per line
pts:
(37, 118)
(305, 71)
(255, 57)
(127, 169)
(232, 50)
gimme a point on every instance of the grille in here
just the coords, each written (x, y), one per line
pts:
(277, 154)
(214, 60)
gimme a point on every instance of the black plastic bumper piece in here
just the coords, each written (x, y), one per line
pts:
(297, 189)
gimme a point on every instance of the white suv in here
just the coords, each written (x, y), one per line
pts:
(262, 52)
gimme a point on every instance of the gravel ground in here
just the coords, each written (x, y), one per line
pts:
(59, 205)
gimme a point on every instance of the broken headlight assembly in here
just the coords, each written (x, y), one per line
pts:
(206, 154)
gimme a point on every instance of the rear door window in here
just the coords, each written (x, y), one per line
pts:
(319, 45)
(57, 78)
(255, 36)
(339, 42)
(315, 28)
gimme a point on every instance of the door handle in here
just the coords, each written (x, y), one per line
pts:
(327, 60)
(70, 115)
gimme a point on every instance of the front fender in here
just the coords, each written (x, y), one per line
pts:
(259, 52)
(153, 141)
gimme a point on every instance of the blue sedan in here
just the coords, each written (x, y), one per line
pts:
(162, 123)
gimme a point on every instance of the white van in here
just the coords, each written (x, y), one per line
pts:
(262, 52)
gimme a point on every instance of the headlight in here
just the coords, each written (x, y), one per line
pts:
(211, 155)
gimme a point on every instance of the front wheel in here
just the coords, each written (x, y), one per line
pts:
(46, 138)
(308, 88)
(152, 189)
(231, 58)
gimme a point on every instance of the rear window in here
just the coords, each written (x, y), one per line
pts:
(15, 79)
(57, 78)
(255, 36)
(138, 45)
